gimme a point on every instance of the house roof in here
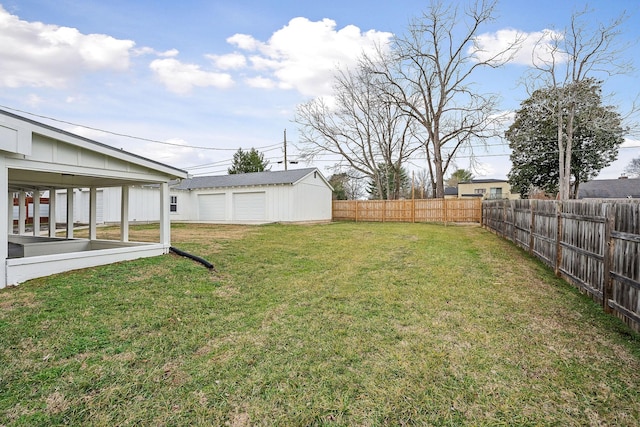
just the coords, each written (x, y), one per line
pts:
(610, 189)
(450, 191)
(246, 179)
(483, 181)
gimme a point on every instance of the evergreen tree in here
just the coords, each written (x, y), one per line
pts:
(597, 134)
(248, 161)
(460, 175)
(394, 182)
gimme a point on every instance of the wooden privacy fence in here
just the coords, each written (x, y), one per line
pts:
(594, 245)
(421, 210)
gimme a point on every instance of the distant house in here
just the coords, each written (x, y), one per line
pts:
(487, 189)
(621, 188)
(299, 195)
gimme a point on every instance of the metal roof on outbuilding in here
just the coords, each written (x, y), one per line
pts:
(246, 179)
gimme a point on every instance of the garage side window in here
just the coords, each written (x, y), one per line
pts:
(173, 204)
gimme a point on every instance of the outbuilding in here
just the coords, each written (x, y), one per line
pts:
(300, 195)
(37, 159)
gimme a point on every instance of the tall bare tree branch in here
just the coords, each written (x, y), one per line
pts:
(362, 125)
(431, 78)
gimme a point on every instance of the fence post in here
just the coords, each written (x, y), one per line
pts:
(504, 219)
(532, 225)
(384, 210)
(444, 209)
(609, 242)
(413, 210)
(357, 201)
(512, 206)
(558, 237)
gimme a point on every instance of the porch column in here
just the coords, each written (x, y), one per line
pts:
(6, 216)
(69, 213)
(9, 211)
(93, 217)
(22, 212)
(52, 212)
(36, 212)
(165, 220)
(124, 214)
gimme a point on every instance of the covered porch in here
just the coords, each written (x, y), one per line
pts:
(37, 160)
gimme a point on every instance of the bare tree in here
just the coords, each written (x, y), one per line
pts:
(361, 124)
(349, 185)
(422, 184)
(355, 186)
(633, 168)
(431, 78)
(564, 58)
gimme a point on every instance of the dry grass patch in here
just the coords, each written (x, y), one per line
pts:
(56, 403)
(10, 301)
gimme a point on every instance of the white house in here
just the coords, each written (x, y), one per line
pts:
(35, 159)
(299, 195)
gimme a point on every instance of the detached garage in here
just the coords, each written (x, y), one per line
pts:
(301, 195)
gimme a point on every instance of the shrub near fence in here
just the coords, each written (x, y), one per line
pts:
(420, 210)
(594, 245)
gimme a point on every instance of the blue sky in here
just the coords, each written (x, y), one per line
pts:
(195, 80)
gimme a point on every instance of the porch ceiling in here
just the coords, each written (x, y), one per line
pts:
(29, 180)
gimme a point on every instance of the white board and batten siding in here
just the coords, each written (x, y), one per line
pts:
(311, 195)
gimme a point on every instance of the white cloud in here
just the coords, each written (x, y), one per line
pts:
(176, 152)
(34, 100)
(230, 61)
(483, 169)
(40, 55)
(628, 142)
(181, 78)
(244, 42)
(171, 53)
(261, 82)
(536, 46)
(303, 55)
(93, 134)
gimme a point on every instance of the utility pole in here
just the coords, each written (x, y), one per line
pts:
(285, 149)
(285, 161)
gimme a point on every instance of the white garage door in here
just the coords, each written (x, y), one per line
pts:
(249, 206)
(211, 207)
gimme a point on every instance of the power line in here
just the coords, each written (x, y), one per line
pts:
(225, 161)
(124, 135)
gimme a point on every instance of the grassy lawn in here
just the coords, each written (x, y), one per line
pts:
(341, 324)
